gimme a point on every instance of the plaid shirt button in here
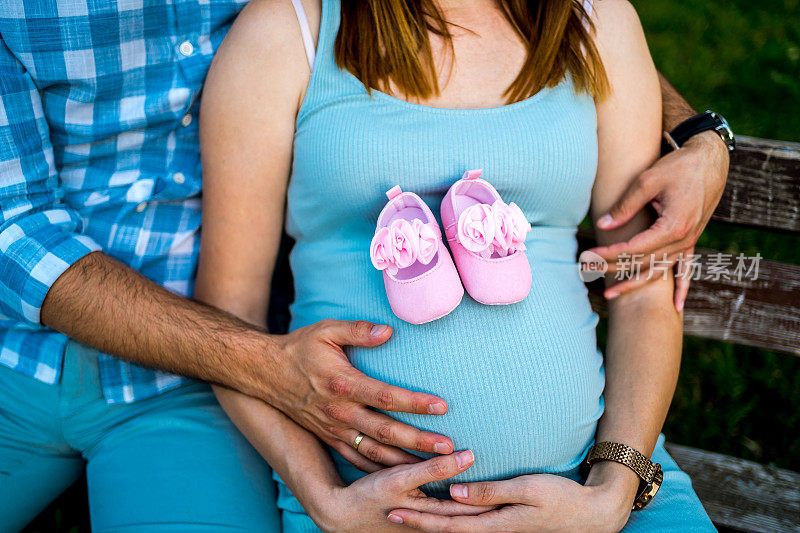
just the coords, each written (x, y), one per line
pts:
(186, 48)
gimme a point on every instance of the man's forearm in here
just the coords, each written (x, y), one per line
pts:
(675, 107)
(109, 306)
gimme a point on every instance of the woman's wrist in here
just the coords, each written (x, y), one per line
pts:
(616, 487)
(325, 505)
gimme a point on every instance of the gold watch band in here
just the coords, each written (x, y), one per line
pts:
(620, 453)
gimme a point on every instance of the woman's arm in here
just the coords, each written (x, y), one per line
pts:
(249, 107)
(250, 102)
(643, 351)
(645, 330)
(245, 173)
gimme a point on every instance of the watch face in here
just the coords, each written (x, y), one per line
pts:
(724, 130)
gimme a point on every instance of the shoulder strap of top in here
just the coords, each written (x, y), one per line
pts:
(587, 6)
(305, 30)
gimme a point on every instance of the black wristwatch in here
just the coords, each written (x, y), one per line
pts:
(698, 124)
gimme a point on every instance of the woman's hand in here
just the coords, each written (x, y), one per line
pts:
(318, 388)
(364, 505)
(541, 502)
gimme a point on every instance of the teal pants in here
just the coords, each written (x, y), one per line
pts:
(171, 463)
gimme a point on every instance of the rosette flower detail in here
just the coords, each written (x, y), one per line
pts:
(381, 251)
(493, 230)
(403, 243)
(503, 228)
(428, 241)
(476, 228)
(520, 227)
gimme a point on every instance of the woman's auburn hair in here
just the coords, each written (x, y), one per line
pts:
(386, 43)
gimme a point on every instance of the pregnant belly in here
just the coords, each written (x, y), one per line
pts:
(523, 382)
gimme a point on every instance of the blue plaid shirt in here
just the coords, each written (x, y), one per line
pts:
(98, 151)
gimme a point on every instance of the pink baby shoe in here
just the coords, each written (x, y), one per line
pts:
(421, 280)
(487, 238)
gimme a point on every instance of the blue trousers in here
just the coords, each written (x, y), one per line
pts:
(171, 463)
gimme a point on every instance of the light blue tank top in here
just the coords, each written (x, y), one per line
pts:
(524, 382)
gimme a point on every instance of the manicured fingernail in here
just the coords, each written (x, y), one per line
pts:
(442, 448)
(378, 330)
(610, 295)
(605, 221)
(464, 459)
(437, 408)
(459, 491)
(396, 519)
(680, 304)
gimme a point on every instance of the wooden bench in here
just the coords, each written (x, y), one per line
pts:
(763, 191)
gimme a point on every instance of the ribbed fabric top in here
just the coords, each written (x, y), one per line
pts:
(524, 382)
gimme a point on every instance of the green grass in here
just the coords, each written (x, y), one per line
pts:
(741, 58)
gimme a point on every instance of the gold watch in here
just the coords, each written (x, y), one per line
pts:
(649, 472)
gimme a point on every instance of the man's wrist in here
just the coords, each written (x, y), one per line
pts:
(709, 140)
(253, 357)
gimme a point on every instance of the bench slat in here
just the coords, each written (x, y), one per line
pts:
(763, 186)
(742, 494)
(763, 312)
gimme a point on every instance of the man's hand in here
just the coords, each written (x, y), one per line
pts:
(684, 187)
(540, 503)
(320, 390)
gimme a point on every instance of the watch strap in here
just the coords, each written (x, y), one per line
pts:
(692, 126)
(707, 121)
(625, 455)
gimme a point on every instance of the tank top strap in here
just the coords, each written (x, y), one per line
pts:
(327, 79)
(305, 31)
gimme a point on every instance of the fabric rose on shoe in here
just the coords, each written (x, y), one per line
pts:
(476, 228)
(405, 243)
(503, 228)
(428, 238)
(521, 227)
(380, 251)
